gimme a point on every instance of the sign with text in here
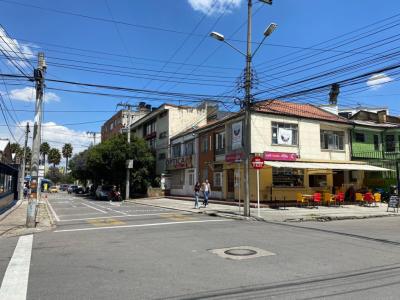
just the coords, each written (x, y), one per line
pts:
(184, 162)
(234, 157)
(393, 203)
(237, 135)
(257, 162)
(280, 156)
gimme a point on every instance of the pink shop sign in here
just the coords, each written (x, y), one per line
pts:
(282, 156)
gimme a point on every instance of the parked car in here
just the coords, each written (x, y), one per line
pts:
(80, 190)
(53, 189)
(64, 187)
(103, 192)
(71, 189)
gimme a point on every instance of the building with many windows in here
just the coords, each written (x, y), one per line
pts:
(306, 149)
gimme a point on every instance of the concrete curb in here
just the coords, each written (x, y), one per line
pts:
(51, 217)
(11, 209)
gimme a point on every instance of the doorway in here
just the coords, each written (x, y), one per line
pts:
(230, 175)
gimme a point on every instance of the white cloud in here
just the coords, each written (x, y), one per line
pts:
(27, 94)
(377, 80)
(210, 7)
(55, 134)
(17, 52)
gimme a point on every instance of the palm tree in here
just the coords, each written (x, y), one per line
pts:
(67, 153)
(44, 150)
(54, 157)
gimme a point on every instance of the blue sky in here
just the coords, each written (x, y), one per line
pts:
(160, 53)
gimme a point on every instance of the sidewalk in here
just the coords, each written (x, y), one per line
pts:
(290, 214)
(13, 223)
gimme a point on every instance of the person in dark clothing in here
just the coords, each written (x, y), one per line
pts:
(196, 194)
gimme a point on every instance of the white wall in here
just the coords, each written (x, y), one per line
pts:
(309, 146)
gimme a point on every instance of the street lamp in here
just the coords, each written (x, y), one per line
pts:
(247, 86)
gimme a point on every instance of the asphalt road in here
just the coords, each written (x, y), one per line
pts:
(111, 251)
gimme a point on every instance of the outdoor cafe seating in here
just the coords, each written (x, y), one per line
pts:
(318, 198)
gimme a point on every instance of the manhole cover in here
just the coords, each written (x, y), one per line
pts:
(240, 252)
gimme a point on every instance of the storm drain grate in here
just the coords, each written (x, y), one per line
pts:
(241, 252)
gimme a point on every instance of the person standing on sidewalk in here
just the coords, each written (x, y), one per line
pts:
(206, 191)
(196, 194)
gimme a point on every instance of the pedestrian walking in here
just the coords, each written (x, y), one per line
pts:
(197, 188)
(206, 192)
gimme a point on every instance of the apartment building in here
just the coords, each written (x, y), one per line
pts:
(166, 121)
(120, 120)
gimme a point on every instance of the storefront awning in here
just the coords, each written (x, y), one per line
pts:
(319, 166)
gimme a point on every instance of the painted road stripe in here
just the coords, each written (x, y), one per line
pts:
(119, 216)
(141, 225)
(53, 212)
(104, 212)
(108, 208)
(15, 281)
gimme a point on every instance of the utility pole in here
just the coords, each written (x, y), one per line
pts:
(127, 107)
(93, 134)
(247, 119)
(39, 76)
(23, 164)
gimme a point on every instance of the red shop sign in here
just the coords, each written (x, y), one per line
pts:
(282, 156)
(257, 162)
(234, 157)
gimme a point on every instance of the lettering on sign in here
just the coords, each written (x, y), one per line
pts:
(176, 163)
(393, 203)
(280, 156)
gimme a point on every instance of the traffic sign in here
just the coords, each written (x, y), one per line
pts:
(257, 162)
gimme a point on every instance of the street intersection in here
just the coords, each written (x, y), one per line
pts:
(102, 250)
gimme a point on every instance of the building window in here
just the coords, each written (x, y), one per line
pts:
(284, 134)
(360, 137)
(390, 143)
(332, 140)
(176, 150)
(376, 142)
(204, 144)
(217, 179)
(220, 142)
(152, 143)
(191, 177)
(162, 135)
(287, 177)
(161, 156)
(317, 181)
(205, 174)
(189, 148)
(150, 128)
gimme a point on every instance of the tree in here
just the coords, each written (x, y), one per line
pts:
(106, 162)
(44, 150)
(67, 153)
(54, 175)
(54, 156)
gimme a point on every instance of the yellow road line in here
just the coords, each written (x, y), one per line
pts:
(105, 222)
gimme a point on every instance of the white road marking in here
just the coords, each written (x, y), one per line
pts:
(113, 217)
(53, 212)
(105, 207)
(104, 212)
(140, 225)
(83, 214)
(15, 281)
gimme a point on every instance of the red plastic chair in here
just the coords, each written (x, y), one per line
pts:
(316, 199)
(340, 198)
(369, 198)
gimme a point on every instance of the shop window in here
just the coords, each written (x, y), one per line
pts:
(288, 177)
(390, 143)
(318, 181)
(284, 134)
(360, 137)
(176, 150)
(178, 179)
(376, 142)
(218, 179)
(332, 140)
